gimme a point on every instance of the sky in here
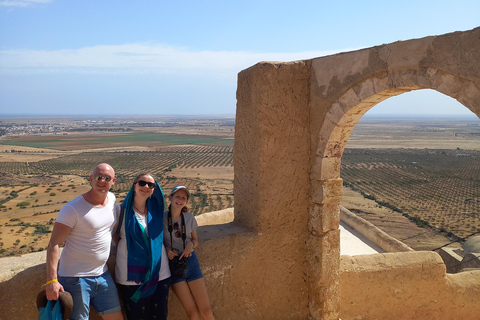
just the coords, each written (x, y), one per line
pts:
(182, 57)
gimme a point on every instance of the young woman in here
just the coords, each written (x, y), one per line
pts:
(141, 269)
(189, 288)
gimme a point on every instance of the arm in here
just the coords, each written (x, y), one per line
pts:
(190, 245)
(59, 235)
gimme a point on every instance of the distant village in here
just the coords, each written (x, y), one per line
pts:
(9, 129)
(65, 126)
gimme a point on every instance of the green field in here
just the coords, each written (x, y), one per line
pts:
(109, 139)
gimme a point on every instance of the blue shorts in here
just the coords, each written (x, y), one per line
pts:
(99, 291)
(193, 270)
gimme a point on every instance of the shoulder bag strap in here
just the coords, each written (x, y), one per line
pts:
(120, 223)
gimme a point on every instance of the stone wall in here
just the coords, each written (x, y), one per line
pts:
(407, 286)
(372, 233)
(380, 286)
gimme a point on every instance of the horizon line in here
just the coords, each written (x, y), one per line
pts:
(381, 115)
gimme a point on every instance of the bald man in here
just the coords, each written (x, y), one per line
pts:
(85, 226)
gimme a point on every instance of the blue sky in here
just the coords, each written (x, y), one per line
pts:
(73, 57)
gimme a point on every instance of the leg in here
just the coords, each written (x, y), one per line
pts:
(160, 299)
(182, 291)
(105, 299)
(80, 290)
(200, 294)
(133, 310)
(113, 316)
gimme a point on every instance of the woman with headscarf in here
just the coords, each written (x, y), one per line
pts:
(141, 269)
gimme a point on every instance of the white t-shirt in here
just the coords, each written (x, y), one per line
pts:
(122, 254)
(88, 245)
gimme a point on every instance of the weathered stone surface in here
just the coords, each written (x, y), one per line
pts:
(372, 233)
(406, 285)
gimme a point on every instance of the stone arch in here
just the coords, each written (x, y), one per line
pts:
(345, 113)
(292, 123)
(370, 86)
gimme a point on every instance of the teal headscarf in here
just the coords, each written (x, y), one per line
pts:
(144, 251)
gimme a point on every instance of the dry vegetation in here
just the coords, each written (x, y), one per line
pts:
(431, 187)
(44, 186)
(390, 185)
(418, 180)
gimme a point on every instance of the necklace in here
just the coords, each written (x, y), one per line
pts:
(139, 211)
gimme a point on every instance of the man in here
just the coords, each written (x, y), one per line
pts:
(85, 225)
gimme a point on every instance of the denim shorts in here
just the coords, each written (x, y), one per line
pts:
(193, 270)
(99, 291)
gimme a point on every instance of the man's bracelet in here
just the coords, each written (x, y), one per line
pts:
(52, 281)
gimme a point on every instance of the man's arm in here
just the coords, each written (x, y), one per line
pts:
(59, 235)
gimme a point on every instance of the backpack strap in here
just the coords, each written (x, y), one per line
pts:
(116, 236)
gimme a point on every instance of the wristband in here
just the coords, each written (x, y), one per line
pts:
(52, 281)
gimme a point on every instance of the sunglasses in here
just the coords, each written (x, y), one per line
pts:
(176, 227)
(142, 183)
(98, 177)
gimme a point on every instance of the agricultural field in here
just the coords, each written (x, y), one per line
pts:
(418, 181)
(46, 162)
(433, 188)
(109, 141)
(206, 170)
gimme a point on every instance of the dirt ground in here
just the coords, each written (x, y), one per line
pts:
(27, 154)
(43, 207)
(205, 172)
(393, 223)
(219, 179)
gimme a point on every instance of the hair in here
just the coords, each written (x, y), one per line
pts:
(184, 209)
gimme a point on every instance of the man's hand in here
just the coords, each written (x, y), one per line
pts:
(53, 290)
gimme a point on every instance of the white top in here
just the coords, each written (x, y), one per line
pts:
(122, 254)
(88, 245)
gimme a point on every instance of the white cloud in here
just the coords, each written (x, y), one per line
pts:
(139, 58)
(22, 3)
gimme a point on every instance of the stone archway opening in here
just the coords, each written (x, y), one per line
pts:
(423, 102)
(335, 131)
(410, 173)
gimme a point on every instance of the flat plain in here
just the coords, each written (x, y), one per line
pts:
(418, 179)
(45, 162)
